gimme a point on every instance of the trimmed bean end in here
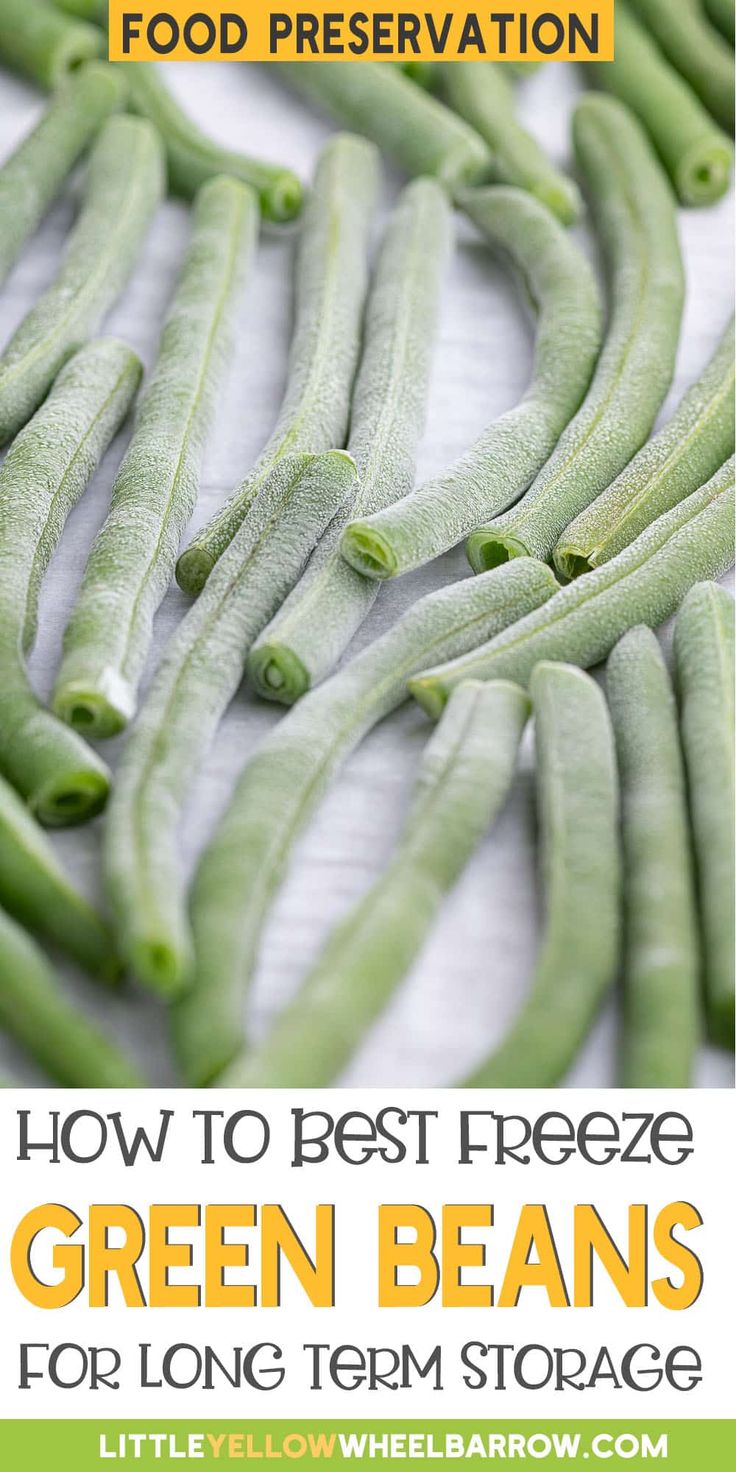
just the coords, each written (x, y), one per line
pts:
(704, 174)
(368, 552)
(91, 712)
(486, 549)
(74, 798)
(160, 968)
(571, 563)
(283, 200)
(564, 200)
(84, 43)
(278, 674)
(193, 569)
(430, 695)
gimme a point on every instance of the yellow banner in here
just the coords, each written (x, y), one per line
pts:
(320, 30)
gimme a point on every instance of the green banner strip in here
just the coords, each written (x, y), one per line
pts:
(89, 1446)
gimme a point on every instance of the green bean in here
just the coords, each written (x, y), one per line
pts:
(43, 476)
(35, 891)
(424, 73)
(95, 11)
(661, 962)
(518, 70)
(704, 655)
(464, 777)
(696, 154)
(132, 561)
(581, 624)
(722, 14)
(418, 133)
(331, 283)
(483, 96)
(636, 218)
(506, 458)
(192, 157)
(698, 51)
(33, 175)
(199, 674)
(282, 784)
(123, 189)
(34, 1013)
(577, 800)
(690, 449)
(319, 618)
(43, 44)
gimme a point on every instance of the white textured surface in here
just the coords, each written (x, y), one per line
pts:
(473, 972)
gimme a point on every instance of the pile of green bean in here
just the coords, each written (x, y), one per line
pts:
(584, 532)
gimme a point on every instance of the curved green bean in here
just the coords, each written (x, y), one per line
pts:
(636, 218)
(696, 154)
(331, 284)
(43, 476)
(132, 561)
(661, 961)
(417, 132)
(123, 189)
(34, 173)
(704, 655)
(482, 95)
(198, 677)
(283, 783)
(464, 777)
(35, 1014)
(577, 801)
(42, 43)
(581, 624)
(504, 461)
(329, 603)
(35, 891)
(192, 157)
(684, 455)
(722, 14)
(698, 51)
